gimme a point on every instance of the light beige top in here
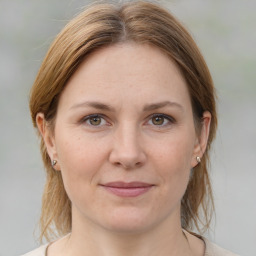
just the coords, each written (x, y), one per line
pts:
(211, 249)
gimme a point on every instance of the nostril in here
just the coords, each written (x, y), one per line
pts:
(138, 164)
(128, 166)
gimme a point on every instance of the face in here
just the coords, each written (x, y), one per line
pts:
(125, 139)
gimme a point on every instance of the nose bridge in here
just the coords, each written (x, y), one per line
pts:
(127, 139)
(127, 148)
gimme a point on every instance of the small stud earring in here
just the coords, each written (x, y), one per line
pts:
(54, 162)
(198, 159)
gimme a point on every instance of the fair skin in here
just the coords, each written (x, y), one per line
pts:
(125, 116)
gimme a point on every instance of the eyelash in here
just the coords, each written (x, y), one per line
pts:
(170, 120)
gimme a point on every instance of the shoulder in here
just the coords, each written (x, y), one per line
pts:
(41, 251)
(212, 249)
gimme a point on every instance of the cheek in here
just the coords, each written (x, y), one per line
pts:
(175, 152)
(172, 161)
(78, 152)
(80, 161)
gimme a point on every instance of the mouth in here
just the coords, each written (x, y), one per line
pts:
(130, 189)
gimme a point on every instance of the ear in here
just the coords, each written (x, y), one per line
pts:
(202, 138)
(48, 137)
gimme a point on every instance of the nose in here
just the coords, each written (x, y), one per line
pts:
(127, 151)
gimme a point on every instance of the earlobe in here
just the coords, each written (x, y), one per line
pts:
(47, 135)
(202, 140)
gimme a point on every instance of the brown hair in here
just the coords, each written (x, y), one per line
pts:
(104, 24)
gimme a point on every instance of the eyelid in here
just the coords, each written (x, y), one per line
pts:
(164, 116)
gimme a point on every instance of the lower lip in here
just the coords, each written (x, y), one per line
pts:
(128, 192)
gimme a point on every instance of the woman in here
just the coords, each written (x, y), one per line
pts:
(125, 106)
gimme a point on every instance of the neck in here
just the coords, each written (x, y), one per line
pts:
(154, 242)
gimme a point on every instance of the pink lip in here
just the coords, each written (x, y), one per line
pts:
(130, 189)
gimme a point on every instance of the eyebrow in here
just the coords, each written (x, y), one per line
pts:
(155, 106)
(93, 104)
(106, 107)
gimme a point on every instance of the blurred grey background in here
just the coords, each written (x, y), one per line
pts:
(225, 32)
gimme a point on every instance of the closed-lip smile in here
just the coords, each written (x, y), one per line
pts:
(127, 189)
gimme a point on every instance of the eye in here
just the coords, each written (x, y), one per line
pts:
(94, 120)
(158, 120)
(161, 120)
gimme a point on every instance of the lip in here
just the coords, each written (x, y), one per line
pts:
(127, 189)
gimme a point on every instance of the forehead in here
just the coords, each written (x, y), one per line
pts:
(127, 71)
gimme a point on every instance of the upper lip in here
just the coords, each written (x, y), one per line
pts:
(121, 184)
